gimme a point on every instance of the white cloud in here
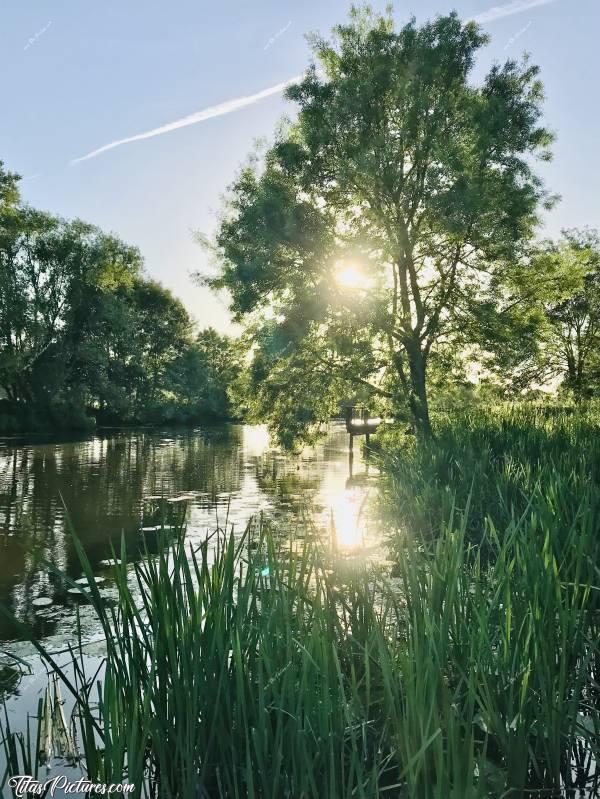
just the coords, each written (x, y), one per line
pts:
(507, 10)
(228, 107)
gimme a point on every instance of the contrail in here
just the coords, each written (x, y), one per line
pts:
(33, 39)
(276, 36)
(507, 10)
(497, 12)
(200, 116)
(517, 35)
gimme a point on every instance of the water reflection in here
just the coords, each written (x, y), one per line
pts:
(110, 483)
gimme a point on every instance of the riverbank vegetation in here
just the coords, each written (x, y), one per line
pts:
(86, 337)
(262, 666)
(497, 464)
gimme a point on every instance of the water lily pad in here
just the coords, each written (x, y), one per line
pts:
(42, 602)
(84, 581)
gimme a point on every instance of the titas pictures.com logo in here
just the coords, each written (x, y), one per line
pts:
(25, 785)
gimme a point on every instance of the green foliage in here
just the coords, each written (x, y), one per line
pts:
(9, 189)
(291, 389)
(85, 336)
(573, 322)
(148, 330)
(501, 462)
(402, 170)
(540, 324)
(202, 376)
(251, 667)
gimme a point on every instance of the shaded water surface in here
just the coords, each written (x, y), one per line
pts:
(109, 486)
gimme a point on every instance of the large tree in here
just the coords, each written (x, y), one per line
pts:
(379, 214)
(573, 332)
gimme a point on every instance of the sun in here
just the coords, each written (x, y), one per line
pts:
(349, 276)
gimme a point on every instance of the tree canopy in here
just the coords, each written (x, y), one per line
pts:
(541, 325)
(377, 217)
(85, 335)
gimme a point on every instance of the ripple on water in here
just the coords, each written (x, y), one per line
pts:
(119, 484)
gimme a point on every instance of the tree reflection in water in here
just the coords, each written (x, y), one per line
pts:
(106, 480)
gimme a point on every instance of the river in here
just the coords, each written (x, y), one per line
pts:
(102, 486)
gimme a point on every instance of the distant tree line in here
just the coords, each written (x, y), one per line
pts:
(86, 336)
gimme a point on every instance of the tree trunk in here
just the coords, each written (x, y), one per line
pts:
(417, 398)
(575, 379)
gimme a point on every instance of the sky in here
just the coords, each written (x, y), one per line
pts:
(137, 115)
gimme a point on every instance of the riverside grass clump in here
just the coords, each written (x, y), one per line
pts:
(522, 483)
(534, 462)
(262, 670)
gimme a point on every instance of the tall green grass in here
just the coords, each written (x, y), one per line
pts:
(523, 486)
(505, 461)
(255, 668)
(455, 680)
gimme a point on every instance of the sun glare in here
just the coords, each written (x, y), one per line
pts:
(256, 439)
(346, 516)
(349, 276)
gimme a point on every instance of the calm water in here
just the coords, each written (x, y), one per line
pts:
(106, 482)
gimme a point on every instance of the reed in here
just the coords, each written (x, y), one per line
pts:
(255, 667)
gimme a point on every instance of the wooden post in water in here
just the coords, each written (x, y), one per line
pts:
(348, 423)
(358, 423)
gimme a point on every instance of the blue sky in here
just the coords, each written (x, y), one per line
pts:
(76, 76)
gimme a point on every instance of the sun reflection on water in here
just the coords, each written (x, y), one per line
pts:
(255, 439)
(347, 519)
(341, 481)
